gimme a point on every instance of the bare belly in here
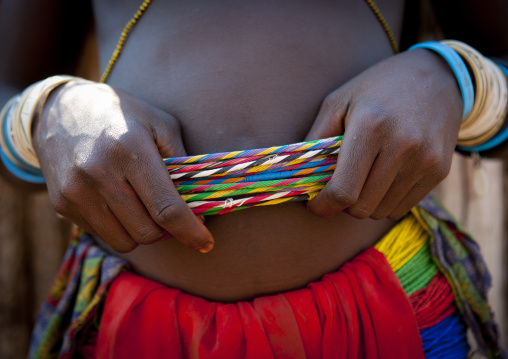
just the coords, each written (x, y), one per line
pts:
(246, 75)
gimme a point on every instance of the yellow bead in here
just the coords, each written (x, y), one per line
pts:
(122, 39)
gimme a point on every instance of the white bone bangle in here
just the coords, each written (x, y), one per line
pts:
(20, 118)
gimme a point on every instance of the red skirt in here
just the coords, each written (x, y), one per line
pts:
(360, 311)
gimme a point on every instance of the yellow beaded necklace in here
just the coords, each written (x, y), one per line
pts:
(384, 24)
(123, 37)
(126, 30)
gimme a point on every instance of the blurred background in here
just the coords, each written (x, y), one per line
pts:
(33, 240)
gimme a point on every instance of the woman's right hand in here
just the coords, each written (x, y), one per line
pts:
(100, 151)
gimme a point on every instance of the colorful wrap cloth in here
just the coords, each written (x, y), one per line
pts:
(412, 295)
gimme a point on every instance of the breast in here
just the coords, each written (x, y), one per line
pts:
(252, 73)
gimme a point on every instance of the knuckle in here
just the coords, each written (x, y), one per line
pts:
(70, 192)
(172, 123)
(124, 150)
(378, 215)
(408, 142)
(432, 160)
(333, 102)
(147, 235)
(443, 172)
(399, 212)
(59, 203)
(94, 171)
(377, 116)
(342, 195)
(359, 211)
(378, 120)
(87, 229)
(123, 246)
(395, 216)
(168, 213)
(330, 102)
(115, 151)
(440, 173)
(437, 176)
(89, 167)
(123, 143)
(434, 169)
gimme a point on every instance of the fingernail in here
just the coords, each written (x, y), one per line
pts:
(207, 248)
(202, 219)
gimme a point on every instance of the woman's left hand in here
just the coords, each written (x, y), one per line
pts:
(400, 119)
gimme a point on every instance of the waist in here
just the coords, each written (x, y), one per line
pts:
(259, 251)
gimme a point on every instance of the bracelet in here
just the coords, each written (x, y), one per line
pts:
(20, 125)
(19, 173)
(499, 138)
(12, 162)
(3, 138)
(489, 108)
(16, 118)
(459, 69)
(9, 149)
(500, 61)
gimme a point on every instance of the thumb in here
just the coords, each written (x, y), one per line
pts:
(331, 118)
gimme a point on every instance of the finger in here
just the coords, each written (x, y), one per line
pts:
(68, 207)
(132, 214)
(330, 119)
(423, 172)
(111, 231)
(149, 178)
(399, 189)
(79, 221)
(415, 195)
(107, 227)
(355, 160)
(377, 185)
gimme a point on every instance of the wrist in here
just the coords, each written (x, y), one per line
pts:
(16, 120)
(437, 76)
(455, 65)
(55, 99)
(486, 105)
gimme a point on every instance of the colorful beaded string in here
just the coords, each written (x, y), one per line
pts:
(219, 183)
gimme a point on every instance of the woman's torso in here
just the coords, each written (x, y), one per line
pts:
(239, 75)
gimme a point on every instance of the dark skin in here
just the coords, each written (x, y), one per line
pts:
(201, 77)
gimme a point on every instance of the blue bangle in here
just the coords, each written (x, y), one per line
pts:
(495, 141)
(19, 173)
(23, 170)
(25, 166)
(459, 69)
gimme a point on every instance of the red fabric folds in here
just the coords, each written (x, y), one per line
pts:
(360, 311)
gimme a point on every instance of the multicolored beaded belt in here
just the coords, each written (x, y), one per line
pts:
(219, 183)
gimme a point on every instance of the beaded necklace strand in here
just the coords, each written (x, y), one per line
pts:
(127, 29)
(123, 36)
(384, 24)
